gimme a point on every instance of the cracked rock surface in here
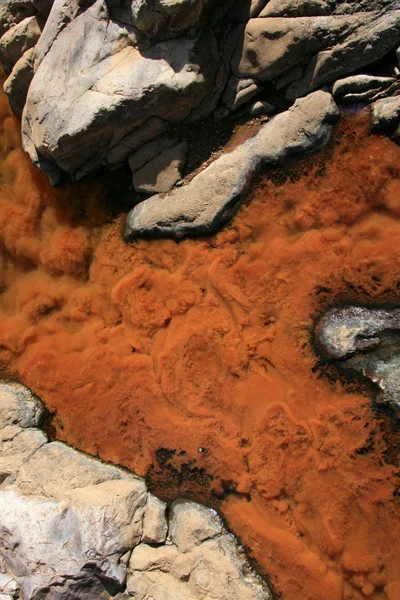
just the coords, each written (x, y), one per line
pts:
(74, 527)
(368, 341)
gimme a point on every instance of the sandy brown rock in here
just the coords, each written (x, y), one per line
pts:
(162, 172)
(17, 40)
(17, 84)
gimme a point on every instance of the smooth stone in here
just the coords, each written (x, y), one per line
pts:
(357, 84)
(17, 445)
(155, 525)
(203, 205)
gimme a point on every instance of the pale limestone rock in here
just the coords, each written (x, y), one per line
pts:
(17, 40)
(210, 199)
(17, 445)
(92, 87)
(385, 114)
(8, 585)
(18, 406)
(17, 84)
(155, 526)
(162, 172)
(158, 586)
(148, 558)
(357, 84)
(151, 128)
(56, 469)
(191, 524)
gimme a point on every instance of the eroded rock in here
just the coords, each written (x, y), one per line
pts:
(366, 340)
(385, 114)
(18, 406)
(17, 40)
(211, 198)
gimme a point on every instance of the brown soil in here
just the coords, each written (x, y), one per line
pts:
(193, 363)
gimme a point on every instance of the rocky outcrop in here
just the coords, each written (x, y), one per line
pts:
(365, 340)
(73, 527)
(211, 198)
(108, 75)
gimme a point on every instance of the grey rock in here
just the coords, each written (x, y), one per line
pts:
(17, 84)
(261, 107)
(12, 12)
(292, 75)
(166, 19)
(6, 597)
(191, 524)
(366, 340)
(368, 37)
(148, 151)
(273, 45)
(8, 585)
(240, 90)
(161, 173)
(298, 8)
(79, 539)
(17, 445)
(155, 526)
(358, 84)
(150, 129)
(93, 88)
(18, 406)
(385, 114)
(56, 469)
(211, 198)
(17, 40)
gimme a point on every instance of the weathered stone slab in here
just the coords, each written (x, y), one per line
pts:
(211, 198)
(18, 406)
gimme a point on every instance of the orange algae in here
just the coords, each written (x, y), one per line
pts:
(193, 363)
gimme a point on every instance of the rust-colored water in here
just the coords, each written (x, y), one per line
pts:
(193, 363)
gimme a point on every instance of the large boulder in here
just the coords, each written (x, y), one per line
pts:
(213, 195)
(94, 87)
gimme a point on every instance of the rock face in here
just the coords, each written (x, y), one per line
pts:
(368, 341)
(73, 527)
(211, 197)
(106, 76)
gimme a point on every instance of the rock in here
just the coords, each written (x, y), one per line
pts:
(17, 84)
(56, 469)
(78, 533)
(18, 406)
(149, 151)
(8, 585)
(165, 20)
(12, 12)
(155, 526)
(162, 172)
(211, 198)
(17, 445)
(360, 338)
(238, 91)
(43, 7)
(148, 558)
(292, 75)
(203, 567)
(385, 114)
(72, 527)
(93, 87)
(261, 107)
(191, 524)
(357, 84)
(272, 46)
(298, 8)
(368, 37)
(150, 129)
(17, 40)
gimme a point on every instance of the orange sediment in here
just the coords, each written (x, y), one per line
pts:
(193, 363)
